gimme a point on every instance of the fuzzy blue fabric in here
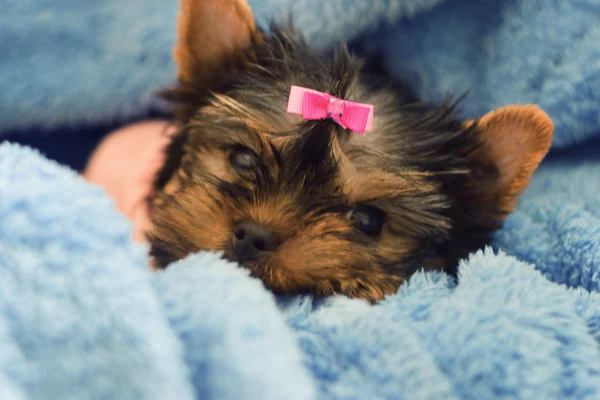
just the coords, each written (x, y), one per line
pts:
(65, 63)
(81, 317)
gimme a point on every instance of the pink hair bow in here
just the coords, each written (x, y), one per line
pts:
(313, 105)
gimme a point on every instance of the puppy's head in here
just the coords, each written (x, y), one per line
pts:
(309, 206)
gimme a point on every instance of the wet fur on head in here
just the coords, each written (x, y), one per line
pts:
(436, 186)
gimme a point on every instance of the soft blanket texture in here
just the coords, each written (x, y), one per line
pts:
(81, 316)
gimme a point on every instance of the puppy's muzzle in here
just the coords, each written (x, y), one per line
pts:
(252, 240)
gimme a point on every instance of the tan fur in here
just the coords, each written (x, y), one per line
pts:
(515, 139)
(318, 253)
(175, 221)
(312, 257)
(316, 260)
(210, 33)
(370, 185)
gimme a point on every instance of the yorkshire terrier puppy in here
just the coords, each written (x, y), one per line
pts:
(317, 176)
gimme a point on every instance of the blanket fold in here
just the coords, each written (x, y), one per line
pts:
(65, 64)
(81, 317)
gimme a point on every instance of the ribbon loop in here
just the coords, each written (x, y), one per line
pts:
(315, 105)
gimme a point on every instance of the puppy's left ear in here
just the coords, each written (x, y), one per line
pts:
(513, 141)
(209, 35)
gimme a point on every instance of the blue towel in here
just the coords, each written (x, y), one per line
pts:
(65, 63)
(81, 317)
(511, 51)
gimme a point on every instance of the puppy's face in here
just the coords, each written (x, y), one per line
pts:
(308, 206)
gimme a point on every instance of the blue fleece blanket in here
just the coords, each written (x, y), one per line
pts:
(82, 318)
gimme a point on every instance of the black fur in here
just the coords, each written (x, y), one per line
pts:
(448, 221)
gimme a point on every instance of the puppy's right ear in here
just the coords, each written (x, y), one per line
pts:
(210, 34)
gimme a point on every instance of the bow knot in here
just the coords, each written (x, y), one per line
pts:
(314, 105)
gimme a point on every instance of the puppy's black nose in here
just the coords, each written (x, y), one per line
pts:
(251, 240)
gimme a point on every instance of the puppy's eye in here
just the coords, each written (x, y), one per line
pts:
(242, 158)
(367, 219)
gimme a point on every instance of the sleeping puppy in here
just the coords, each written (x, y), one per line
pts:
(311, 172)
